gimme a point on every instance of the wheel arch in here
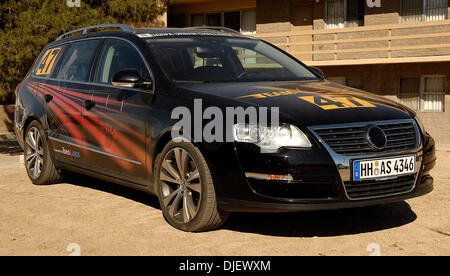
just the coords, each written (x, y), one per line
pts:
(161, 142)
(31, 118)
(164, 138)
(28, 121)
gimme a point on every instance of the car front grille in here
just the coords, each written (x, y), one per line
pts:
(377, 188)
(350, 141)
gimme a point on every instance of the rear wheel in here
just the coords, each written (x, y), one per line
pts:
(185, 189)
(38, 163)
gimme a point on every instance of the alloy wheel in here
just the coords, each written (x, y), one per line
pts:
(34, 155)
(180, 185)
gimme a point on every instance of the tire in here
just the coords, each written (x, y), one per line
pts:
(38, 163)
(189, 202)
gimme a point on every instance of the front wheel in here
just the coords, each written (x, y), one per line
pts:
(38, 162)
(185, 189)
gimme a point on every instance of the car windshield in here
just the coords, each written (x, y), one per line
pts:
(223, 59)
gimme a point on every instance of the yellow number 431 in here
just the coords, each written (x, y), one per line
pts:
(46, 65)
(336, 102)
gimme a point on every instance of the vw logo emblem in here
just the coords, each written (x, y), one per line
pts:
(376, 137)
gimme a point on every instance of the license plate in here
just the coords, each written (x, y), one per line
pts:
(381, 168)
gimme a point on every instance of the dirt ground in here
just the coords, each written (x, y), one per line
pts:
(91, 217)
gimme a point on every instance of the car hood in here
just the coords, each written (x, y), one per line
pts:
(305, 103)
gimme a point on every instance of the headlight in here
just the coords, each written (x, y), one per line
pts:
(271, 138)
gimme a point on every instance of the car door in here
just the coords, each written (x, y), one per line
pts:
(64, 92)
(114, 117)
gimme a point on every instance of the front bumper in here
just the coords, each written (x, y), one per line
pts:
(234, 205)
(318, 179)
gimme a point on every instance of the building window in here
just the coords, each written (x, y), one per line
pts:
(241, 21)
(344, 13)
(197, 20)
(433, 98)
(232, 20)
(351, 82)
(248, 24)
(355, 83)
(339, 80)
(423, 10)
(410, 92)
(335, 14)
(176, 20)
(425, 94)
(214, 19)
(355, 13)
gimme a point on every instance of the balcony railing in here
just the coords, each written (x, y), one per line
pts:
(377, 44)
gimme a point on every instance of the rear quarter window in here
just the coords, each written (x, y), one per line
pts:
(47, 62)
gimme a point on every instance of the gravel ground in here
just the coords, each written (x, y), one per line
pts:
(90, 217)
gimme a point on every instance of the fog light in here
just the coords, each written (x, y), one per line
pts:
(272, 177)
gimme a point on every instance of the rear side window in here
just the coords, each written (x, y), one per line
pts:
(77, 61)
(48, 61)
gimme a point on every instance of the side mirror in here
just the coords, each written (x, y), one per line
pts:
(317, 71)
(130, 79)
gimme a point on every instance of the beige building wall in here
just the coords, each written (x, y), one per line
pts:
(286, 16)
(384, 80)
(387, 14)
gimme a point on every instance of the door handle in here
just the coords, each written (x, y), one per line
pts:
(48, 98)
(88, 104)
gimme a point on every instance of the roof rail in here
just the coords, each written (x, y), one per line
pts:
(222, 29)
(85, 30)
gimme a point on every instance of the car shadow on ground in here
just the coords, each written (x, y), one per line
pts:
(9, 145)
(324, 223)
(303, 224)
(111, 188)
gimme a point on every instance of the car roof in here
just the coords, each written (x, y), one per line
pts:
(129, 32)
(193, 31)
(216, 30)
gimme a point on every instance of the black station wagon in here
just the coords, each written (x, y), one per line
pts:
(102, 104)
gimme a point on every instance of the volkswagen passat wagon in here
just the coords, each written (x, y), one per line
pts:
(109, 104)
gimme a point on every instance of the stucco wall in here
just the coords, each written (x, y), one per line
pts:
(384, 80)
